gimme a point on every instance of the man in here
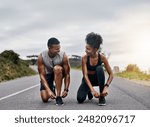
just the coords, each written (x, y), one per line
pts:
(53, 66)
(93, 74)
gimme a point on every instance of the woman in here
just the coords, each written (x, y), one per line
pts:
(93, 74)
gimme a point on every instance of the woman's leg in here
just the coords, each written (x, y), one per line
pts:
(101, 82)
(82, 92)
(100, 77)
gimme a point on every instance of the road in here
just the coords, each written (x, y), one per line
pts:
(23, 94)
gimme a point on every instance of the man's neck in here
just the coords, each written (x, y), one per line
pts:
(51, 55)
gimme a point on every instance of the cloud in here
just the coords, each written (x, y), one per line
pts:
(26, 25)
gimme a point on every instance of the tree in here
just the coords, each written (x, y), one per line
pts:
(132, 67)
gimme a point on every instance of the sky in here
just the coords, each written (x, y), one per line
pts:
(26, 25)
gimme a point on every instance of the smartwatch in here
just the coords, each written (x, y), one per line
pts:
(66, 90)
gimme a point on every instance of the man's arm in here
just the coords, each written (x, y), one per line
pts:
(66, 67)
(41, 70)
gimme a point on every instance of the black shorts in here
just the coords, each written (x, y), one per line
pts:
(50, 81)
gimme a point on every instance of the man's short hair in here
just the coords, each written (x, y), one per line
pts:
(94, 40)
(52, 41)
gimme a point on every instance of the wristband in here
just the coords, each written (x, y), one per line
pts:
(106, 85)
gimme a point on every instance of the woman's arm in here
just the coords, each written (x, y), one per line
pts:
(108, 69)
(110, 77)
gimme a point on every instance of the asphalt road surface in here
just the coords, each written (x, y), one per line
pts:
(23, 94)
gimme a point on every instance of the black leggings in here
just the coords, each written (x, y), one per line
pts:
(97, 79)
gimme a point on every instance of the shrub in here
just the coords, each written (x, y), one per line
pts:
(10, 55)
(133, 68)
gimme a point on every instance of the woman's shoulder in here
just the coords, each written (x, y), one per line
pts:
(103, 57)
(84, 57)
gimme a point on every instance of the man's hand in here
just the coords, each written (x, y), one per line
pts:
(64, 94)
(105, 91)
(95, 94)
(51, 94)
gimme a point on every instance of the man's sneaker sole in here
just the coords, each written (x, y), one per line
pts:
(101, 104)
(59, 104)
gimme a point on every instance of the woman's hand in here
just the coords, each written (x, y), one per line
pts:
(95, 94)
(105, 91)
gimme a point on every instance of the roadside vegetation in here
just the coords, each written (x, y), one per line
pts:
(75, 63)
(11, 66)
(132, 71)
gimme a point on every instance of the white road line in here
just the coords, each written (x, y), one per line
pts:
(21, 91)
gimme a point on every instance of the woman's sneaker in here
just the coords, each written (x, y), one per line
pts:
(59, 101)
(102, 101)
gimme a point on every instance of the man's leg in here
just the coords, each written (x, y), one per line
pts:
(58, 77)
(82, 92)
(44, 95)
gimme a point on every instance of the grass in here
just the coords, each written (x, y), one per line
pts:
(132, 71)
(76, 68)
(134, 75)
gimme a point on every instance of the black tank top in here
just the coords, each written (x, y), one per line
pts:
(93, 68)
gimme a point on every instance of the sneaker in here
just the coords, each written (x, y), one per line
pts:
(59, 101)
(90, 96)
(102, 101)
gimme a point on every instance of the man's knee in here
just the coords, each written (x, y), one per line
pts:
(58, 70)
(44, 100)
(44, 96)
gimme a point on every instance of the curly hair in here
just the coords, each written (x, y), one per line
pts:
(94, 40)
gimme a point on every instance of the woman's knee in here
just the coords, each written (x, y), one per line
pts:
(80, 99)
(100, 75)
(99, 69)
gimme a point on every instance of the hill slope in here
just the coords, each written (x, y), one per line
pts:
(11, 66)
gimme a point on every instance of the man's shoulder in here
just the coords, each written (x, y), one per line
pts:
(44, 53)
(61, 54)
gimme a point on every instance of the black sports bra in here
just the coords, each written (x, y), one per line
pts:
(93, 68)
